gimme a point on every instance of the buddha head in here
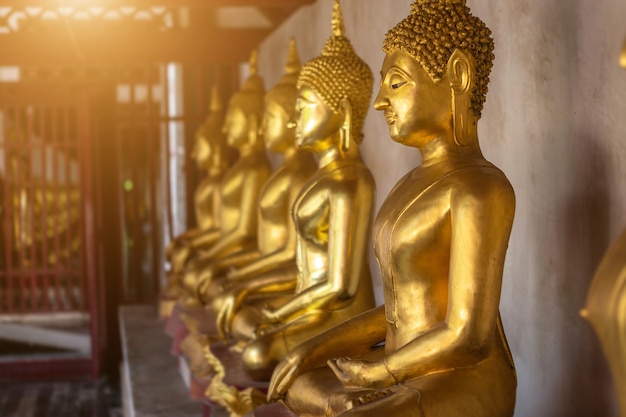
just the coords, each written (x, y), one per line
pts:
(280, 106)
(210, 149)
(335, 90)
(436, 71)
(245, 110)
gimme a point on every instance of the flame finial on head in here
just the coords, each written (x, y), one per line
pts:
(340, 74)
(211, 129)
(338, 26)
(216, 104)
(293, 65)
(250, 97)
(441, 1)
(254, 62)
(285, 92)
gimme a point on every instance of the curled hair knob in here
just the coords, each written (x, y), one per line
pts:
(440, 1)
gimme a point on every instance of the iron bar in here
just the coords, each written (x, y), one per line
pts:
(44, 191)
(8, 210)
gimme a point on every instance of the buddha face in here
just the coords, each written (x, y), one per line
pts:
(236, 127)
(278, 137)
(315, 121)
(201, 152)
(416, 108)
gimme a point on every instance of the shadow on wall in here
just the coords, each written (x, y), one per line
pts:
(586, 232)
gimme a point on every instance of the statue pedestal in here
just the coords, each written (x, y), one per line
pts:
(230, 387)
(177, 329)
(190, 330)
(272, 410)
(150, 378)
(166, 306)
(235, 375)
(185, 321)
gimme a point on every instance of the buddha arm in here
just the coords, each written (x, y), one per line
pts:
(274, 260)
(242, 257)
(251, 185)
(353, 337)
(231, 300)
(481, 219)
(267, 283)
(204, 239)
(348, 237)
(282, 256)
(263, 264)
(187, 235)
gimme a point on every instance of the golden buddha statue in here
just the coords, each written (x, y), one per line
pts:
(332, 214)
(214, 156)
(440, 239)
(45, 216)
(606, 311)
(606, 307)
(275, 254)
(240, 188)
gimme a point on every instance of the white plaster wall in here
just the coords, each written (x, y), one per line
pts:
(555, 122)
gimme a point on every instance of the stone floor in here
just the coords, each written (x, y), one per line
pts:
(59, 399)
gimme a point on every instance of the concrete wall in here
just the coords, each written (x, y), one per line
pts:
(554, 121)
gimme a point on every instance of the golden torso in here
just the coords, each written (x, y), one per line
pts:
(412, 236)
(312, 214)
(413, 239)
(207, 202)
(277, 199)
(254, 167)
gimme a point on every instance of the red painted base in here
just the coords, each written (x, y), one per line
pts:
(272, 410)
(198, 388)
(48, 369)
(235, 373)
(173, 321)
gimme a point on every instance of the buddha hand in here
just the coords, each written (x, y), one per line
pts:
(287, 371)
(270, 315)
(180, 257)
(361, 374)
(170, 249)
(229, 305)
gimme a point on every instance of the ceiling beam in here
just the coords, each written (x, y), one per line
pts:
(52, 4)
(128, 46)
(276, 15)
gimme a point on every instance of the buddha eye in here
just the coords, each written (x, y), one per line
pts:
(395, 86)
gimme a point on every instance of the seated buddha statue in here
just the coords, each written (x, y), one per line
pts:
(332, 214)
(606, 307)
(436, 348)
(214, 156)
(274, 253)
(240, 188)
(605, 310)
(276, 248)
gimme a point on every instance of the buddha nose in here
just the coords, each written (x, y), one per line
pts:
(381, 102)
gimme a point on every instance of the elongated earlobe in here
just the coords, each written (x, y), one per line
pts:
(460, 72)
(346, 127)
(216, 156)
(253, 132)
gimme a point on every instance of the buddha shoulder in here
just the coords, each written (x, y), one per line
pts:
(482, 186)
(349, 174)
(348, 182)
